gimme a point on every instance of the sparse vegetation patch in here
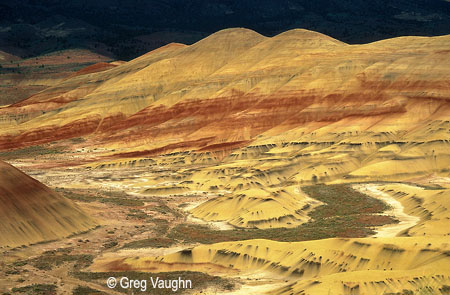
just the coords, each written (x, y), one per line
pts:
(50, 259)
(83, 290)
(116, 198)
(36, 289)
(29, 152)
(346, 213)
(158, 242)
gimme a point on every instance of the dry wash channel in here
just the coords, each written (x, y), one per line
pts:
(377, 265)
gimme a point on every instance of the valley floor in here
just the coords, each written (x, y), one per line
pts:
(397, 211)
(142, 234)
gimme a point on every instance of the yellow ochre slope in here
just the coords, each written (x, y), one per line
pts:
(251, 119)
(261, 115)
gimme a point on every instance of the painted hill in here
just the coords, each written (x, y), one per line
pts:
(31, 212)
(261, 114)
(235, 125)
(204, 91)
(21, 78)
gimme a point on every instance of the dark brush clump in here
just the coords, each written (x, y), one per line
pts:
(36, 289)
(346, 213)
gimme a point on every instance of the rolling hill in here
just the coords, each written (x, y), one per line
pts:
(31, 212)
(316, 108)
(235, 128)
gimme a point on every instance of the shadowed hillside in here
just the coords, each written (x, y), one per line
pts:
(30, 212)
(21, 78)
(127, 30)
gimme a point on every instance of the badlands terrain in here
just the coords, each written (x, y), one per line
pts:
(296, 164)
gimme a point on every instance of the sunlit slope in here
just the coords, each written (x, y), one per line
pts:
(431, 205)
(6, 57)
(22, 78)
(257, 116)
(30, 212)
(224, 91)
(415, 263)
(373, 266)
(97, 101)
(72, 94)
(259, 208)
